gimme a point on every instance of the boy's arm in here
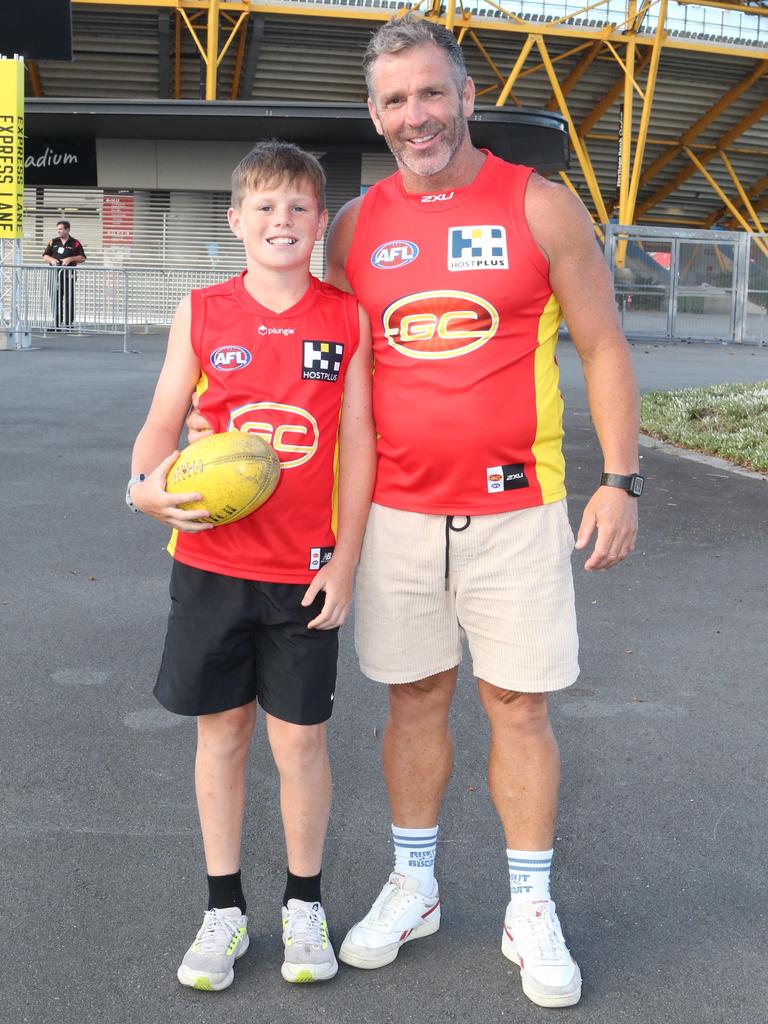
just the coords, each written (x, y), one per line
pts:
(357, 469)
(154, 450)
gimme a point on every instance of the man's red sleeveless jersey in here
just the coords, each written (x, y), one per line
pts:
(279, 375)
(466, 398)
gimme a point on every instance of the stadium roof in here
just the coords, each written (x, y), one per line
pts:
(690, 120)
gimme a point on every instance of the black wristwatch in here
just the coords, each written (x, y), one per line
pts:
(631, 484)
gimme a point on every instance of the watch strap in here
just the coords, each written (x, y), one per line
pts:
(632, 484)
(128, 500)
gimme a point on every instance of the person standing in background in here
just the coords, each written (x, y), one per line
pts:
(64, 251)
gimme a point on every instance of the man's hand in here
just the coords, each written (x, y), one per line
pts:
(151, 497)
(197, 425)
(614, 514)
(336, 582)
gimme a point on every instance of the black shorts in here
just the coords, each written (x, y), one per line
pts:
(232, 641)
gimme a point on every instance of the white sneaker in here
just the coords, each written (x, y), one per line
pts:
(309, 954)
(401, 913)
(208, 964)
(534, 941)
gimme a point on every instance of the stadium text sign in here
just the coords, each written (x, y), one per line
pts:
(11, 148)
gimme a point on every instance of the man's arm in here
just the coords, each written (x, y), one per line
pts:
(48, 256)
(357, 469)
(77, 257)
(154, 450)
(582, 283)
(339, 241)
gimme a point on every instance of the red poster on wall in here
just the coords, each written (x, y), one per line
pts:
(117, 219)
(117, 226)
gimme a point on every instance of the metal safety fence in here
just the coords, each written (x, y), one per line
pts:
(96, 300)
(670, 284)
(683, 284)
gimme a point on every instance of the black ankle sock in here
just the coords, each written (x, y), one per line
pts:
(302, 887)
(225, 891)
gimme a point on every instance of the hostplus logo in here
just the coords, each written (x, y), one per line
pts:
(477, 247)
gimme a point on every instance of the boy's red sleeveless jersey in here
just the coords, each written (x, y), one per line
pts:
(466, 398)
(279, 375)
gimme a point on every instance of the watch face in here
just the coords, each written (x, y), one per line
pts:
(636, 487)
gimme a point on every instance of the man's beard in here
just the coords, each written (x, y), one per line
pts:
(428, 164)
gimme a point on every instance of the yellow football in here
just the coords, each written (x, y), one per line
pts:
(235, 473)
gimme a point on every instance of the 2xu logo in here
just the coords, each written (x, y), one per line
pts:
(439, 324)
(439, 197)
(292, 432)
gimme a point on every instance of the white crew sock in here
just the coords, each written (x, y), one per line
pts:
(415, 850)
(528, 875)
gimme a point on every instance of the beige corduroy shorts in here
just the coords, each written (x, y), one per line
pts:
(510, 594)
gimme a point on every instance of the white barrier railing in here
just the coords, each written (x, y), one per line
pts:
(99, 300)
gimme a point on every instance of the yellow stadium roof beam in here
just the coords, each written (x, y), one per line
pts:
(742, 194)
(699, 166)
(578, 144)
(724, 5)
(578, 72)
(753, 192)
(34, 78)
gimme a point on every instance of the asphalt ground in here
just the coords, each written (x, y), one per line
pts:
(660, 863)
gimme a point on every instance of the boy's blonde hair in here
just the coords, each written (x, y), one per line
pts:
(273, 161)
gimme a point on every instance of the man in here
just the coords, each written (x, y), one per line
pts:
(464, 264)
(64, 251)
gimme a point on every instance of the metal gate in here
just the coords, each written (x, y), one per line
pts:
(680, 284)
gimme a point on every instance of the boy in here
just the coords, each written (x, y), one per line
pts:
(267, 352)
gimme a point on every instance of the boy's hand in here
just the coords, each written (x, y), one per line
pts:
(336, 582)
(196, 424)
(151, 497)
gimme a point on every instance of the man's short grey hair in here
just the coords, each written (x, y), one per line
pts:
(410, 31)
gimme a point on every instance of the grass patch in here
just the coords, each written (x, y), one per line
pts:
(727, 420)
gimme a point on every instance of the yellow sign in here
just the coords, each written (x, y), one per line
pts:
(11, 149)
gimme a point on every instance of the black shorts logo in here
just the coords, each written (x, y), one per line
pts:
(319, 556)
(321, 360)
(505, 478)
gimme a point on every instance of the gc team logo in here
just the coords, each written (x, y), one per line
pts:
(392, 255)
(292, 432)
(230, 357)
(439, 324)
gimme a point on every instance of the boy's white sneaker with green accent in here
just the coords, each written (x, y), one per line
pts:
(532, 939)
(208, 964)
(309, 954)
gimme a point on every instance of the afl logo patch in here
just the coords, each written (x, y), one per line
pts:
(392, 255)
(439, 324)
(230, 357)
